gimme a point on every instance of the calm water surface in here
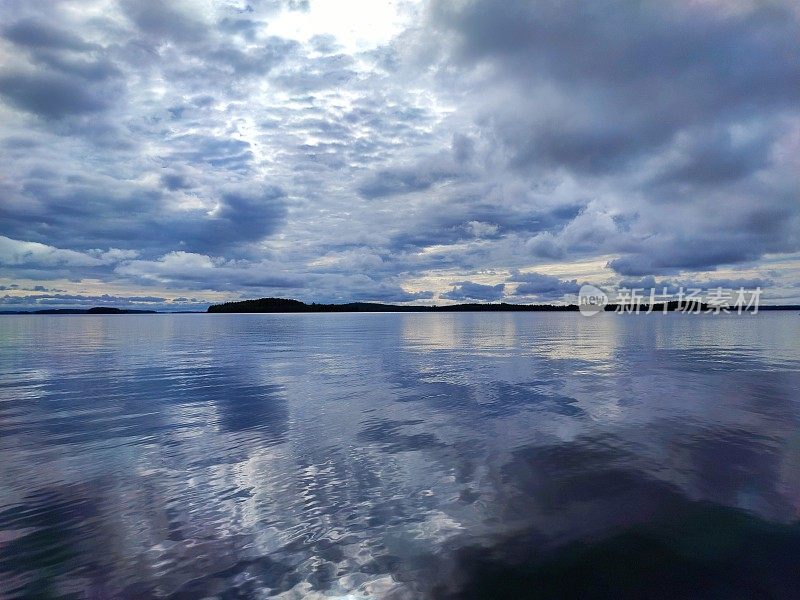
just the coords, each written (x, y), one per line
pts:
(399, 456)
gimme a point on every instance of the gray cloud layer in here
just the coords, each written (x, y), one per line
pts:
(173, 150)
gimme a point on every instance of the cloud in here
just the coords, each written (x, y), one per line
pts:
(48, 95)
(673, 285)
(55, 300)
(614, 80)
(404, 180)
(189, 270)
(239, 217)
(174, 181)
(33, 254)
(387, 293)
(543, 286)
(468, 290)
(33, 33)
(265, 149)
(216, 152)
(93, 212)
(177, 21)
(545, 245)
(643, 107)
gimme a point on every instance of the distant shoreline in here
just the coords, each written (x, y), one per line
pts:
(97, 310)
(285, 305)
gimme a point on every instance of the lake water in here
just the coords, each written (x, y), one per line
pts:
(355, 456)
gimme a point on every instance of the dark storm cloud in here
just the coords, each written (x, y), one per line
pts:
(79, 212)
(710, 156)
(39, 34)
(240, 217)
(195, 51)
(200, 272)
(464, 218)
(635, 74)
(84, 212)
(469, 290)
(62, 51)
(97, 70)
(165, 20)
(545, 245)
(389, 293)
(174, 181)
(391, 182)
(745, 236)
(543, 286)
(686, 258)
(65, 75)
(668, 103)
(48, 95)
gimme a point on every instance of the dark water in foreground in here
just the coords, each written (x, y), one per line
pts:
(400, 456)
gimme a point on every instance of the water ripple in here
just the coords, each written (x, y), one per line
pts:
(368, 456)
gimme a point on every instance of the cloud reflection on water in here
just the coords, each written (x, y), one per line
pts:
(193, 455)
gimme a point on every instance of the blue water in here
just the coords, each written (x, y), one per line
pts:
(399, 456)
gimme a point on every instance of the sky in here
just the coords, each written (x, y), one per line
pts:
(169, 155)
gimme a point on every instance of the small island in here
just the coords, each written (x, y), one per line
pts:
(96, 310)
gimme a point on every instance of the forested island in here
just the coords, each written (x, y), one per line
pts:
(284, 305)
